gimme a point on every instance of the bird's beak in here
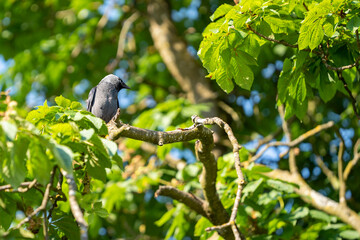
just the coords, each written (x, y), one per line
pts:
(126, 86)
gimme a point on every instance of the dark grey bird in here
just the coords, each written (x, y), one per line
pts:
(103, 99)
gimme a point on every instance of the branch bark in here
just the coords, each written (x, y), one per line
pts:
(316, 199)
(173, 50)
(211, 207)
(74, 205)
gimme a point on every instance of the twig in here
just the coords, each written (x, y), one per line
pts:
(188, 199)
(353, 100)
(121, 43)
(44, 200)
(267, 139)
(285, 127)
(306, 8)
(342, 189)
(74, 205)
(57, 197)
(334, 181)
(272, 39)
(27, 185)
(353, 162)
(103, 21)
(337, 69)
(295, 142)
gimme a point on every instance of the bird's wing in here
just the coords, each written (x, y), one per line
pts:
(91, 99)
(117, 103)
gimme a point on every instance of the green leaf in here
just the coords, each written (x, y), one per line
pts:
(118, 161)
(63, 156)
(13, 168)
(165, 218)
(86, 134)
(280, 186)
(76, 106)
(329, 29)
(39, 164)
(242, 74)
(284, 80)
(95, 169)
(66, 223)
(300, 212)
(316, 35)
(98, 122)
(301, 89)
(98, 210)
(110, 146)
(320, 215)
(223, 80)
(221, 11)
(9, 129)
(349, 234)
(62, 102)
(353, 24)
(326, 85)
(304, 37)
(201, 225)
(252, 186)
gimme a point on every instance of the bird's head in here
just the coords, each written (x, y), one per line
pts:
(115, 80)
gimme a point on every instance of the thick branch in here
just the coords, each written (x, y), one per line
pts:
(213, 207)
(188, 199)
(316, 199)
(173, 50)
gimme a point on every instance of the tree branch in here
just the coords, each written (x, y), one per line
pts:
(353, 100)
(342, 186)
(122, 39)
(27, 185)
(293, 143)
(188, 199)
(334, 181)
(43, 203)
(316, 199)
(173, 50)
(213, 207)
(74, 205)
(353, 162)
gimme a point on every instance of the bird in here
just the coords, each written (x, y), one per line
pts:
(103, 99)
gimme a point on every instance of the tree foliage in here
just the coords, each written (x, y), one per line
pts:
(263, 55)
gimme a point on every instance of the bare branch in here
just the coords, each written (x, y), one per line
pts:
(295, 142)
(334, 181)
(342, 189)
(27, 185)
(74, 205)
(122, 39)
(188, 199)
(353, 162)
